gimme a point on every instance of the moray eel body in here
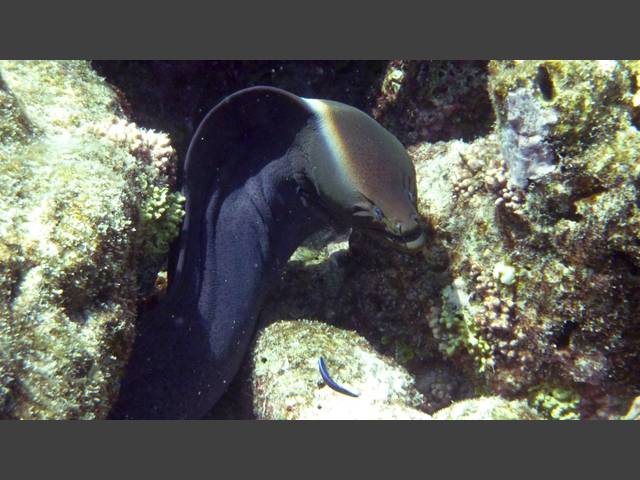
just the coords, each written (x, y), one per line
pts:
(265, 169)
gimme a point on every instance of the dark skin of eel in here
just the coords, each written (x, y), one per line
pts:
(265, 170)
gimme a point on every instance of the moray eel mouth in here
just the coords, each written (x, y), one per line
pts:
(411, 241)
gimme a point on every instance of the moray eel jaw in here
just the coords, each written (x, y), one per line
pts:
(407, 234)
(411, 242)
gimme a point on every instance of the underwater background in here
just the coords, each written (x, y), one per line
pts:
(523, 304)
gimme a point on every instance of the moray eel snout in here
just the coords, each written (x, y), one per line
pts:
(411, 241)
(408, 236)
(404, 231)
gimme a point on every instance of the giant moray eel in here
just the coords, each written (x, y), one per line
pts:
(264, 170)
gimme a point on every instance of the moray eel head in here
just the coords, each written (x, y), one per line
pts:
(367, 178)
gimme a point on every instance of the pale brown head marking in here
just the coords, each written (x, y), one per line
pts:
(368, 172)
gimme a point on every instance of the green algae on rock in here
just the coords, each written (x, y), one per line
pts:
(72, 237)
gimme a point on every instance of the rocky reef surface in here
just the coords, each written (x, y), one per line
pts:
(524, 304)
(87, 206)
(543, 220)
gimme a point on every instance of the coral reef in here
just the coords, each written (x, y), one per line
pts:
(544, 256)
(159, 206)
(84, 196)
(590, 99)
(372, 289)
(527, 288)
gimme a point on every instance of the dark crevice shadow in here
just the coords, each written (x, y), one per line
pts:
(174, 96)
(438, 100)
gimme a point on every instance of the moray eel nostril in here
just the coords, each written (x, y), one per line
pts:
(265, 169)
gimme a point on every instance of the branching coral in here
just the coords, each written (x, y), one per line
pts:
(160, 208)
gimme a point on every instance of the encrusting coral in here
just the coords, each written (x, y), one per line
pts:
(84, 196)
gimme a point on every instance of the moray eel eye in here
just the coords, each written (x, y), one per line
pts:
(377, 214)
